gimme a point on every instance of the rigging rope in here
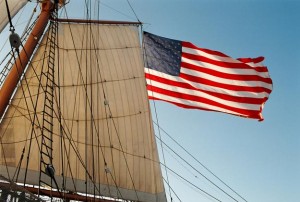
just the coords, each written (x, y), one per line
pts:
(171, 189)
(196, 170)
(175, 173)
(12, 29)
(22, 75)
(162, 142)
(116, 10)
(75, 149)
(162, 148)
(193, 184)
(58, 115)
(197, 162)
(133, 10)
(89, 105)
(114, 124)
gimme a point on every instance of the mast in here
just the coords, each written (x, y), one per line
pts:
(14, 75)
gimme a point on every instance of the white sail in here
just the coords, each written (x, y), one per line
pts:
(102, 129)
(14, 7)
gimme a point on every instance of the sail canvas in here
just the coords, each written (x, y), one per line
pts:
(14, 6)
(103, 140)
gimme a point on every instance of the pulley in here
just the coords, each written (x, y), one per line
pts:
(60, 2)
(50, 170)
(15, 40)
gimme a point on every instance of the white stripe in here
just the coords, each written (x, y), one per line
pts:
(207, 87)
(207, 55)
(252, 64)
(225, 69)
(259, 64)
(225, 81)
(189, 103)
(204, 95)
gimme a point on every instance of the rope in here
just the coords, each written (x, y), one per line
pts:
(175, 173)
(197, 170)
(133, 11)
(117, 10)
(12, 29)
(115, 127)
(197, 162)
(171, 189)
(162, 149)
(89, 104)
(22, 75)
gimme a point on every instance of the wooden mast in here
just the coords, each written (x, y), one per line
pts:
(16, 71)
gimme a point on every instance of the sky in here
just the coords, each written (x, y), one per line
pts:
(259, 160)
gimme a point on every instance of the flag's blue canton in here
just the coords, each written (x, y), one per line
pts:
(162, 54)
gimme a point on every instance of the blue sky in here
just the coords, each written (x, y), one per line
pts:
(259, 160)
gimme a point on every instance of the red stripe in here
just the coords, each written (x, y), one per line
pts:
(261, 69)
(190, 45)
(202, 100)
(225, 86)
(254, 60)
(179, 104)
(249, 77)
(224, 64)
(215, 62)
(247, 100)
(226, 75)
(253, 116)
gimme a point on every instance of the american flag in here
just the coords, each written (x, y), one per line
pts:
(191, 77)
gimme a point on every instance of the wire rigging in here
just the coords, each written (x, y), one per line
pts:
(80, 76)
(133, 11)
(12, 29)
(30, 117)
(159, 137)
(114, 125)
(197, 161)
(89, 103)
(176, 174)
(171, 189)
(193, 184)
(106, 5)
(109, 113)
(32, 121)
(162, 150)
(23, 75)
(196, 170)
